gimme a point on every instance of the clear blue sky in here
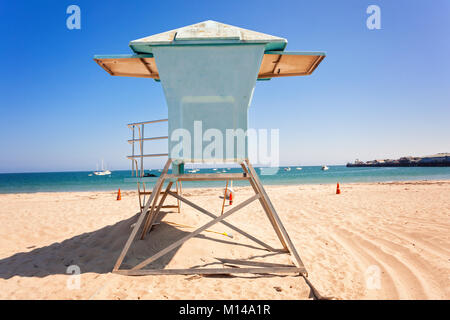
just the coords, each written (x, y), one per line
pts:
(379, 93)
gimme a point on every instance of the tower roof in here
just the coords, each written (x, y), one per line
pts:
(207, 32)
(275, 63)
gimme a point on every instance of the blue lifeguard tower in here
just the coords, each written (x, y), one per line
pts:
(208, 72)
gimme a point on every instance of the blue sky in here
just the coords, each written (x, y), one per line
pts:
(378, 94)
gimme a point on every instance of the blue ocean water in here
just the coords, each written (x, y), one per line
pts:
(85, 181)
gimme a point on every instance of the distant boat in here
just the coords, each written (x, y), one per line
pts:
(298, 168)
(287, 169)
(215, 169)
(148, 174)
(103, 172)
(325, 168)
(193, 170)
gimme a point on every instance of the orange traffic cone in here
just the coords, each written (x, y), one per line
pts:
(231, 198)
(119, 197)
(338, 191)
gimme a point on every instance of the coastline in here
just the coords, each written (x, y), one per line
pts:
(134, 189)
(399, 230)
(216, 184)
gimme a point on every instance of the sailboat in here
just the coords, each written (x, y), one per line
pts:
(193, 170)
(103, 172)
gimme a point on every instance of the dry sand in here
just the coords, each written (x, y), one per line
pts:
(373, 241)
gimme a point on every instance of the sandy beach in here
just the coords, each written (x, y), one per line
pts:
(373, 241)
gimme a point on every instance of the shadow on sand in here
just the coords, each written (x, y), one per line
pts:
(98, 251)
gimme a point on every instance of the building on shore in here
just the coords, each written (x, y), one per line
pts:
(436, 160)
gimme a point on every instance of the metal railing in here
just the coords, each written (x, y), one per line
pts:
(138, 170)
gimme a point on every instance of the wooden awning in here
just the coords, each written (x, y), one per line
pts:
(141, 65)
(274, 64)
(288, 64)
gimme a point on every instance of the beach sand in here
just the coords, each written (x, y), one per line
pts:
(373, 241)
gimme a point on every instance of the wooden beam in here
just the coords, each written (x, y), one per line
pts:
(178, 190)
(267, 211)
(276, 65)
(224, 198)
(152, 219)
(275, 75)
(194, 233)
(289, 243)
(148, 139)
(151, 213)
(229, 225)
(150, 192)
(252, 263)
(141, 218)
(208, 176)
(134, 124)
(315, 64)
(104, 67)
(136, 75)
(144, 272)
(146, 66)
(148, 155)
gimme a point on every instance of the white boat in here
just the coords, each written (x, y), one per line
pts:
(287, 169)
(298, 168)
(103, 172)
(325, 168)
(193, 170)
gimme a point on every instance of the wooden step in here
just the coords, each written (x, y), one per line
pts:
(149, 192)
(165, 206)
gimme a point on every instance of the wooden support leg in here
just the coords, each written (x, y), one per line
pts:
(139, 194)
(224, 197)
(161, 202)
(141, 217)
(150, 215)
(274, 214)
(266, 209)
(178, 192)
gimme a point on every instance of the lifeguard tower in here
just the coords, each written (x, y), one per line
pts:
(208, 72)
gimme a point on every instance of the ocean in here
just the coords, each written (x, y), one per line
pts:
(85, 181)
